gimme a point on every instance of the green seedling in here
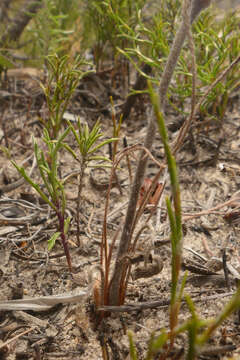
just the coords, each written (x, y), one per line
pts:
(62, 81)
(53, 190)
(155, 345)
(87, 147)
(199, 332)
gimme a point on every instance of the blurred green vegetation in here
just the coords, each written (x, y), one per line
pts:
(140, 31)
(64, 34)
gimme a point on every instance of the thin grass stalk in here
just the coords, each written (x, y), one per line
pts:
(112, 245)
(145, 226)
(128, 162)
(116, 129)
(172, 168)
(152, 211)
(104, 243)
(174, 216)
(145, 198)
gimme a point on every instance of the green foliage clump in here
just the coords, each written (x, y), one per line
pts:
(125, 28)
(217, 43)
(52, 28)
(61, 83)
(100, 25)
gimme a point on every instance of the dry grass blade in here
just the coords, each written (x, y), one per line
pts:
(42, 303)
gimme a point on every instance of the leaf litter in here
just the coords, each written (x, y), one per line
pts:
(59, 322)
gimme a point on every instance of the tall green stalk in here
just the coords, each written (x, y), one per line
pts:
(174, 215)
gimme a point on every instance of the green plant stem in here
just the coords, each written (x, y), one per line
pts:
(133, 352)
(192, 330)
(232, 305)
(174, 216)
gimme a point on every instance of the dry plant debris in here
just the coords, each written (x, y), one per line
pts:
(33, 279)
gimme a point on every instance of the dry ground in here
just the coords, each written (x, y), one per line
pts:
(209, 171)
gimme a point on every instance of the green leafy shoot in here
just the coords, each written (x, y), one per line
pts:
(62, 81)
(53, 193)
(87, 139)
(133, 351)
(87, 147)
(52, 240)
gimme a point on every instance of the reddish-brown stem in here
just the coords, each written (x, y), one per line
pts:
(60, 217)
(80, 186)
